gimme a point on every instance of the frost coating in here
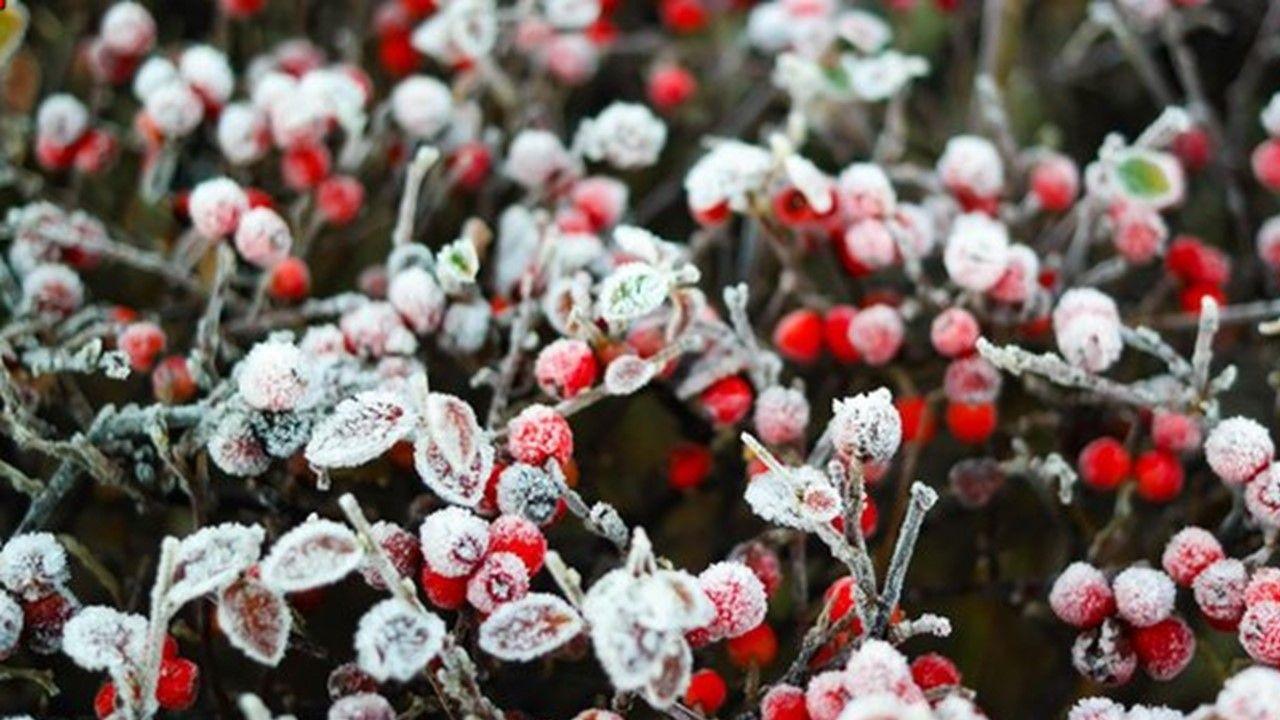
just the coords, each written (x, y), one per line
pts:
(454, 541)
(360, 429)
(212, 557)
(1237, 448)
(455, 457)
(33, 564)
(1086, 324)
(866, 427)
(275, 376)
(1144, 596)
(738, 596)
(255, 619)
(632, 291)
(102, 638)
(529, 627)
(315, 553)
(394, 641)
(977, 252)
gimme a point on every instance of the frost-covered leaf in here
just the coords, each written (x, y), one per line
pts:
(673, 667)
(255, 619)
(456, 265)
(627, 374)
(103, 638)
(638, 242)
(530, 627)
(673, 600)
(395, 641)
(211, 557)
(1148, 176)
(454, 458)
(633, 290)
(360, 429)
(317, 552)
(772, 496)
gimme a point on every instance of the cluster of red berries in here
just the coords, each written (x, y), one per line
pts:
(1125, 623)
(1201, 269)
(1105, 464)
(466, 560)
(142, 341)
(176, 686)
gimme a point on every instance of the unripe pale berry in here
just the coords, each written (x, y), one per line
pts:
(216, 207)
(263, 238)
(1081, 596)
(1174, 432)
(781, 415)
(1188, 553)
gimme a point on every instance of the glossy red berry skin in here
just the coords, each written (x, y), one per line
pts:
(1191, 297)
(835, 332)
(178, 684)
(671, 86)
(397, 54)
(1159, 476)
(971, 423)
(1104, 463)
(1194, 148)
(171, 381)
(798, 335)
(688, 465)
(932, 670)
(470, 165)
(290, 280)
(446, 593)
(758, 647)
(304, 166)
(727, 400)
(706, 692)
(918, 424)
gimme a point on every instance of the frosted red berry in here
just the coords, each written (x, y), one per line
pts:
(727, 401)
(670, 86)
(520, 537)
(446, 593)
(141, 342)
(339, 199)
(954, 332)
(1081, 596)
(1264, 586)
(349, 679)
(565, 368)
(706, 692)
(784, 702)
(178, 684)
(1259, 632)
(1219, 592)
(756, 647)
(171, 381)
(1188, 553)
(1165, 649)
(539, 433)
(932, 670)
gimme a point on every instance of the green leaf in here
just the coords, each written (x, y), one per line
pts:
(1143, 177)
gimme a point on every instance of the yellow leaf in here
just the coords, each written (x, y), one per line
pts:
(13, 27)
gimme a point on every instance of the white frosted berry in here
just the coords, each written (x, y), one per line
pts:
(865, 192)
(263, 237)
(421, 106)
(870, 242)
(1081, 596)
(826, 695)
(216, 206)
(1086, 324)
(454, 541)
(243, 134)
(1144, 596)
(977, 252)
(155, 73)
(529, 492)
(275, 376)
(500, 578)
(1096, 708)
(537, 158)
(1189, 552)
(235, 449)
(33, 565)
(1020, 277)
(626, 135)
(174, 109)
(128, 29)
(877, 333)
(971, 380)
(1237, 449)
(362, 706)
(878, 668)
(970, 165)
(208, 72)
(62, 119)
(419, 299)
(1219, 590)
(1252, 694)
(52, 289)
(781, 415)
(375, 329)
(1104, 654)
(738, 596)
(866, 427)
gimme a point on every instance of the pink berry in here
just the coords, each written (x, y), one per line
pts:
(376, 329)
(1055, 181)
(565, 368)
(1264, 586)
(1020, 277)
(141, 342)
(539, 433)
(1237, 449)
(1081, 596)
(877, 333)
(1266, 164)
(1219, 591)
(501, 578)
(1144, 596)
(1188, 553)
(1260, 632)
(262, 237)
(522, 538)
(869, 243)
(1138, 232)
(1174, 432)
(781, 415)
(738, 597)
(52, 289)
(954, 332)
(971, 380)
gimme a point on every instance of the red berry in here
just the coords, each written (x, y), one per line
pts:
(1219, 592)
(784, 702)
(397, 54)
(1191, 297)
(727, 400)
(1164, 649)
(954, 332)
(791, 208)
(1266, 164)
(304, 166)
(1104, 463)
(241, 9)
(835, 331)
(1081, 596)
(670, 86)
(470, 165)
(917, 419)
(290, 280)
(141, 342)
(446, 593)
(339, 198)
(1055, 182)
(178, 684)
(104, 702)
(1194, 148)
(538, 433)
(171, 381)
(971, 423)
(869, 518)
(349, 679)
(1159, 476)
(756, 647)
(932, 670)
(798, 335)
(688, 465)
(706, 691)
(94, 151)
(1188, 553)
(520, 537)
(419, 8)
(1264, 586)
(566, 367)
(683, 16)
(840, 597)
(1260, 632)
(1192, 261)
